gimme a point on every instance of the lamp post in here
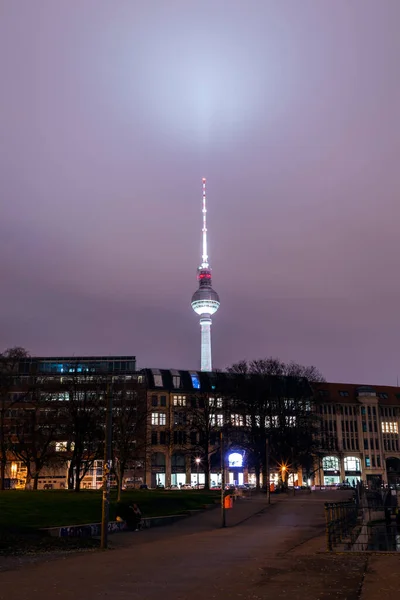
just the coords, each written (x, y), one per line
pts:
(197, 461)
(223, 515)
(267, 471)
(106, 470)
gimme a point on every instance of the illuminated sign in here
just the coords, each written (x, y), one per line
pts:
(235, 460)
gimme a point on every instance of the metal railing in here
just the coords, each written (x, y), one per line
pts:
(341, 521)
(369, 522)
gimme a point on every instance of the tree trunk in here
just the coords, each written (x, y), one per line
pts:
(35, 481)
(207, 470)
(71, 482)
(2, 474)
(120, 477)
(28, 480)
(78, 466)
(257, 470)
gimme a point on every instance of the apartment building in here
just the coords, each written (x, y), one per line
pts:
(360, 433)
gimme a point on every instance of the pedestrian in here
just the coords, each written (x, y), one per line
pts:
(135, 517)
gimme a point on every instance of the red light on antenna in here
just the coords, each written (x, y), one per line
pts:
(204, 179)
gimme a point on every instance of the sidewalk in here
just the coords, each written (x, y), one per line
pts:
(207, 520)
(265, 552)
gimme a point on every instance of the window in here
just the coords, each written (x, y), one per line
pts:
(61, 446)
(382, 395)
(343, 393)
(217, 420)
(158, 382)
(154, 438)
(291, 421)
(323, 393)
(378, 460)
(158, 459)
(373, 461)
(367, 462)
(270, 421)
(176, 379)
(179, 400)
(154, 401)
(364, 427)
(180, 437)
(193, 437)
(365, 444)
(163, 400)
(330, 463)
(352, 463)
(163, 438)
(195, 380)
(390, 427)
(363, 410)
(158, 418)
(216, 402)
(237, 420)
(179, 418)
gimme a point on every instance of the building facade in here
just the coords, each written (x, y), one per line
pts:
(359, 433)
(185, 412)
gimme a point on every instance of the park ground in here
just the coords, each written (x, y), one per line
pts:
(275, 551)
(37, 509)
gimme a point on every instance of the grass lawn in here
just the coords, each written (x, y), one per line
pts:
(20, 510)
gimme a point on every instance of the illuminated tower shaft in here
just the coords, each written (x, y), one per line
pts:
(206, 360)
(205, 301)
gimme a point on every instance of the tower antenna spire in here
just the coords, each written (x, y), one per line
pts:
(204, 264)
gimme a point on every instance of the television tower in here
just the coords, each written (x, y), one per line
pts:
(205, 302)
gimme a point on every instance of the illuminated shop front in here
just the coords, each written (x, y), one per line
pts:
(158, 469)
(235, 468)
(331, 469)
(178, 469)
(352, 470)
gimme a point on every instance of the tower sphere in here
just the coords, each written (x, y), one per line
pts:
(205, 301)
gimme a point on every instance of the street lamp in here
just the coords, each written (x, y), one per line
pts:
(197, 461)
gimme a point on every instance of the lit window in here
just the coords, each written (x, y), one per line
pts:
(248, 420)
(367, 461)
(179, 400)
(237, 420)
(270, 421)
(195, 380)
(216, 402)
(158, 418)
(61, 446)
(352, 463)
(217, 420)
(330, 463)
(390, 427)
(291, 421)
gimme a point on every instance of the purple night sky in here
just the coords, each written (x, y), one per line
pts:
(113, 111)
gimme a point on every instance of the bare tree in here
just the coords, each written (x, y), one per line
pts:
(34, 433)
(205, 418)
(9, 361)
(84, 421)
(129, 427)
(276, 403)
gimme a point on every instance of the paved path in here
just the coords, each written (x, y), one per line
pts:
(277, 553)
